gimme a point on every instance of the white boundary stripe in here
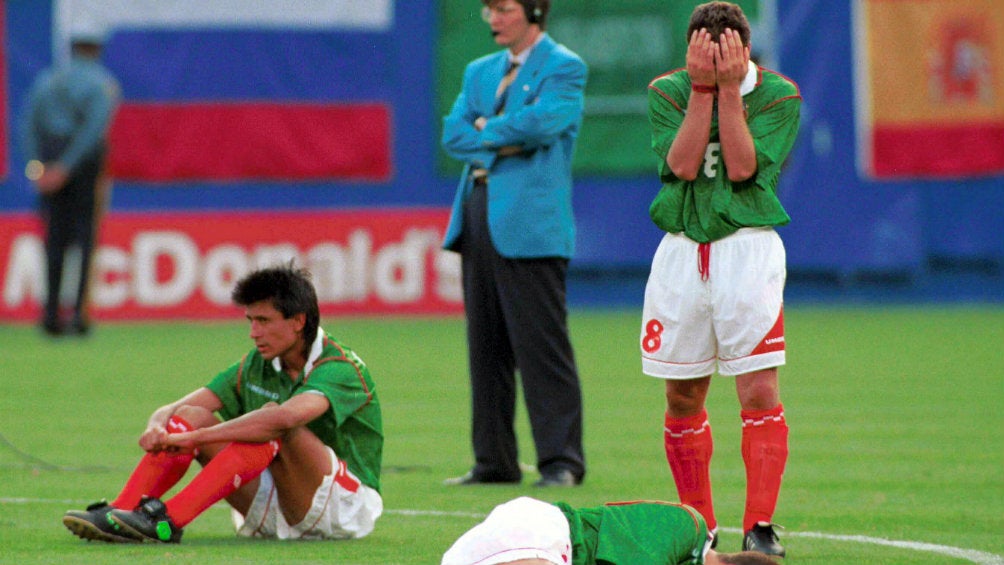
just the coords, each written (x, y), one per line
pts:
(981, 557)
(971, 555)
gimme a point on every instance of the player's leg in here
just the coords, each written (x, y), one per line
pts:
(689, 445)
(298, 470)
(749, 322)
(230, 471)
(765, 454)
(227, 468)
(678, 345)
(155, 474)
(319, 497)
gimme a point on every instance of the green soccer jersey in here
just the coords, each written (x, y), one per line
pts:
(352, 426)
(711, 206)
(636, 533)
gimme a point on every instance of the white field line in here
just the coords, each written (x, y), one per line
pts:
(971, 555)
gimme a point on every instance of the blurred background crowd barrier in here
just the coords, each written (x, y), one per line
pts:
(309, 129)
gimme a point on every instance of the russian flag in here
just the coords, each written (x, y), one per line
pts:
(233, 90)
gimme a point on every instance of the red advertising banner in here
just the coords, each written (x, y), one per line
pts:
(184, 265)
(931, 87)
(170, 142)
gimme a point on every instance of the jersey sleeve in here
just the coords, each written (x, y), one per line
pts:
(665, 116)
(345, 386)
(224, 386)
(774, 131)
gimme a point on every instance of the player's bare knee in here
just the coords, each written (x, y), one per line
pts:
(758, 390)
(196, 416)
(685, 398)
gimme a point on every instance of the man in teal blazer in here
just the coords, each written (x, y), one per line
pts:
(514, 126)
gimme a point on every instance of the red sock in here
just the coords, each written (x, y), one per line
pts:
(156, 473)
(688, 451)
(232, 467)
(765, 452)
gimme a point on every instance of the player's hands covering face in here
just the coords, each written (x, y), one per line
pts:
(701, 58)
(714, 63)
(731, 58)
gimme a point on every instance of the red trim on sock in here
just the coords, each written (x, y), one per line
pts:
(689, 447)
(765, 453)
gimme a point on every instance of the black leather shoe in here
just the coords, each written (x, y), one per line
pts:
(763, 539)
(472, 478)
(560, 478)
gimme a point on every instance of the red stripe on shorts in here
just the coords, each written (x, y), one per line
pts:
(774, 340)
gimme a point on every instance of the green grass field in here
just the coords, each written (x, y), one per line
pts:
(897, 434)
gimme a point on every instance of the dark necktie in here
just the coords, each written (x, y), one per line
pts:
(502, 92)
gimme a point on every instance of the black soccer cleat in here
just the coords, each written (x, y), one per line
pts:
(149, 522)
(95, 524)
(762, 539)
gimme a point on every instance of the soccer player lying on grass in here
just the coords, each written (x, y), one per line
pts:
(526, 531)
(297, 453)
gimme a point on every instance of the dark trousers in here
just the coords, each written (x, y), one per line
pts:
(69, 218)
(516, 318)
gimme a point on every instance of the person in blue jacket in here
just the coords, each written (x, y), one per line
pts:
(70, 108)
(514, 126)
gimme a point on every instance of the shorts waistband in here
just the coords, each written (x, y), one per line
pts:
(740, 233)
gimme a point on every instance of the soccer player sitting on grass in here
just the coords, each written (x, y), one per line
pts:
(296, 448)
(526, 531)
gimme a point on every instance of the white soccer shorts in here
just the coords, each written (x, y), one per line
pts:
(343, 508)
(728, 318)
(523, 528)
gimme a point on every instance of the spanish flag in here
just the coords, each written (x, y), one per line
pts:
(930, 88)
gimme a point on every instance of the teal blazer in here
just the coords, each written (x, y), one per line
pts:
(529, 194)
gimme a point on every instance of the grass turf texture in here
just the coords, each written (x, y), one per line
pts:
(896, 433)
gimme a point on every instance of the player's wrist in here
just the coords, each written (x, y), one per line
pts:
(703, 88)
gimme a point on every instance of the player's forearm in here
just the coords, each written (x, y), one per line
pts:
(687, 151)
(250, 428)
(738, 151)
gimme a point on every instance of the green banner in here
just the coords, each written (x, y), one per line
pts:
(626, 44)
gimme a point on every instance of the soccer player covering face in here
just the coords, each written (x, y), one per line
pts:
(526, 531)
(722, 127)
(290, 435)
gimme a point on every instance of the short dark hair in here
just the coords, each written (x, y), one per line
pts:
(290, 291)
(715, 17)
(529, 6)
